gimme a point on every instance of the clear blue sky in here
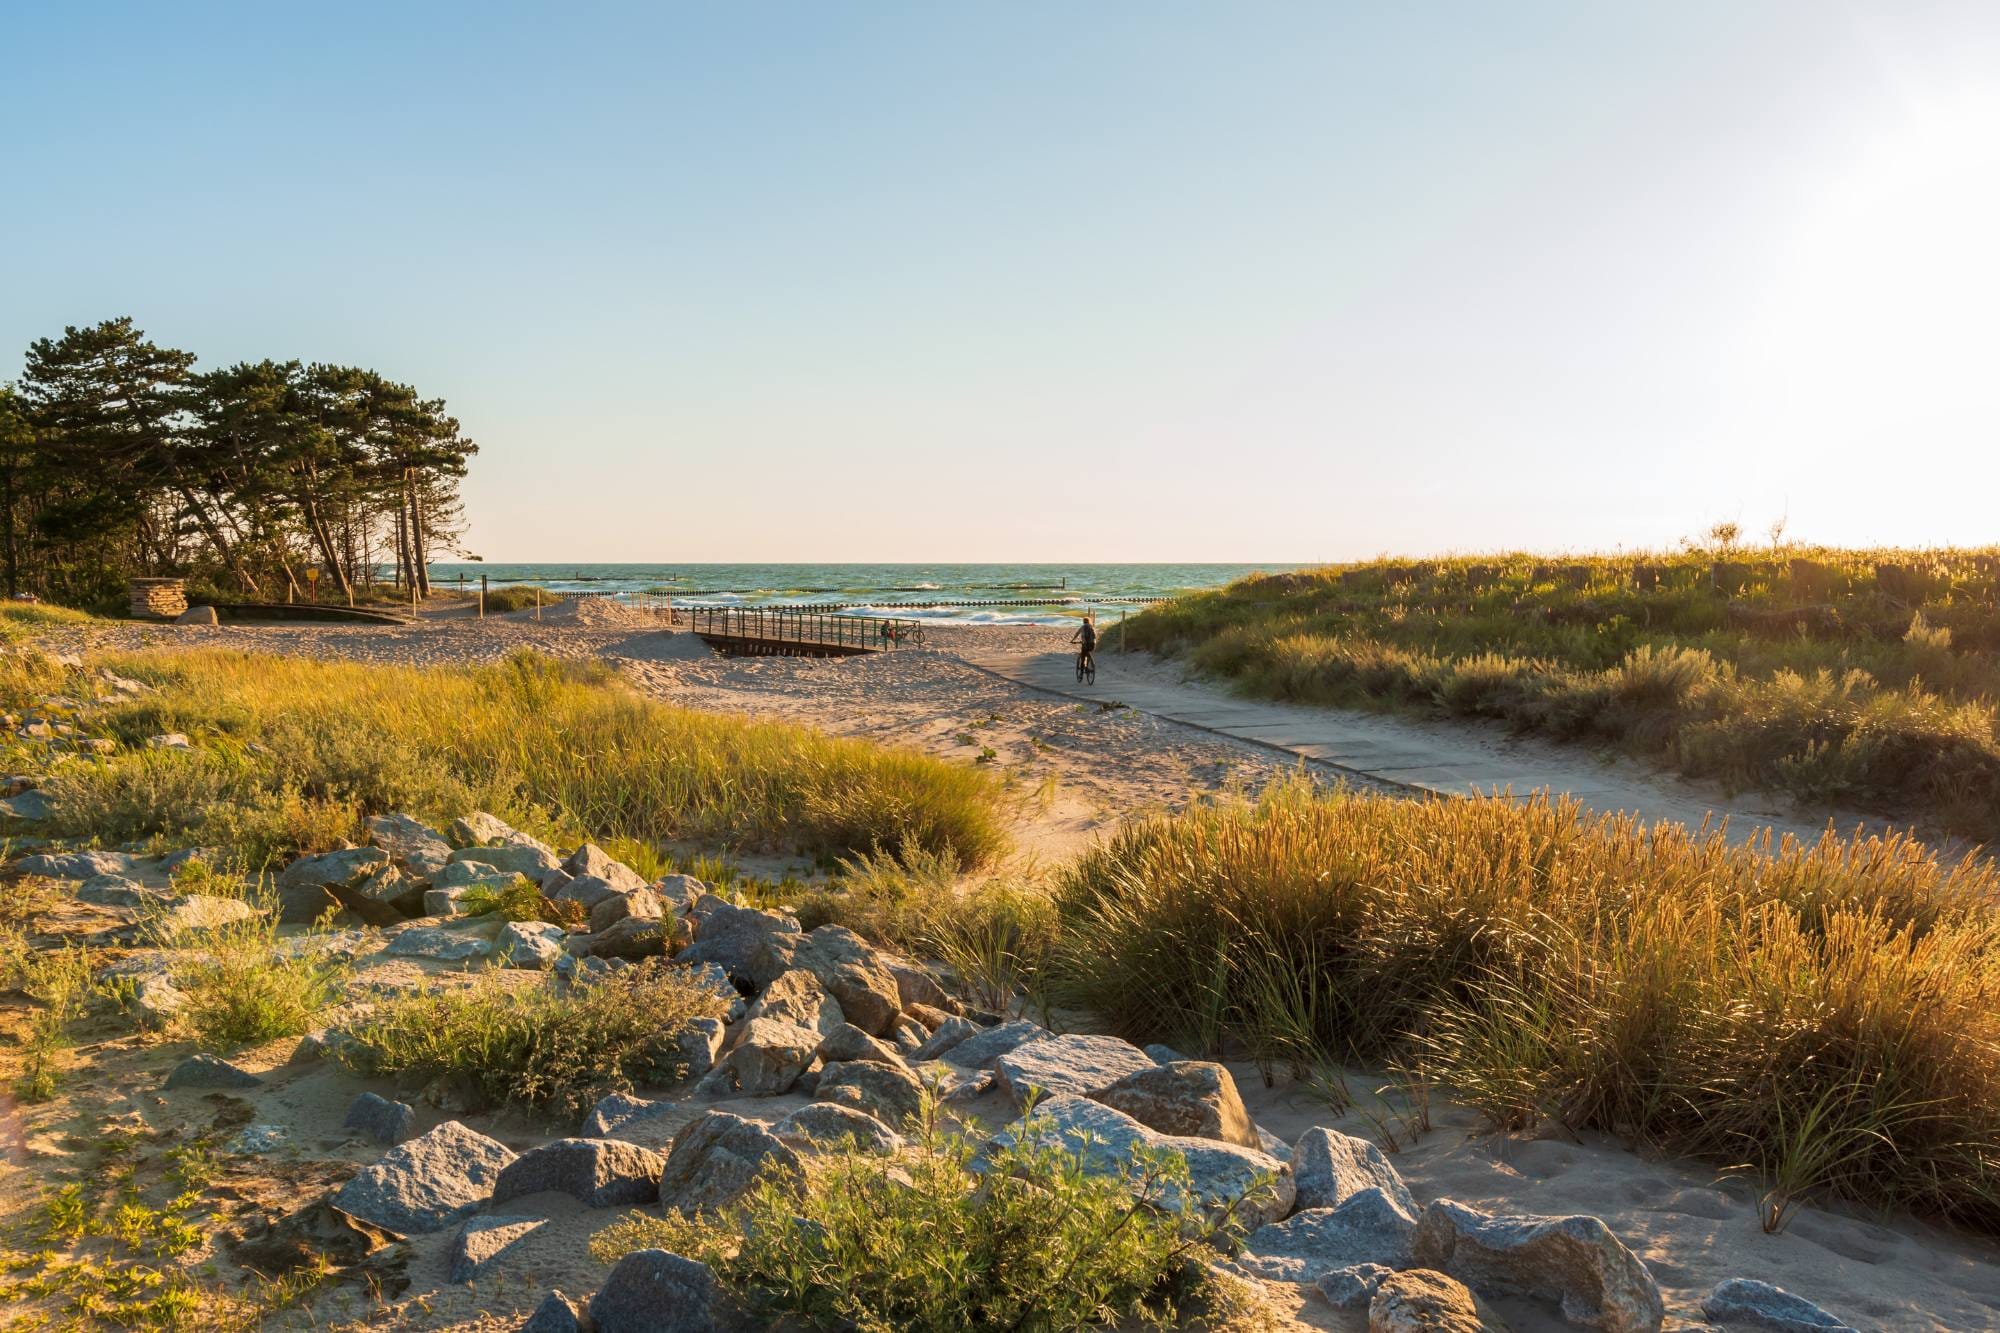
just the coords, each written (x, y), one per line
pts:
(1068, 282)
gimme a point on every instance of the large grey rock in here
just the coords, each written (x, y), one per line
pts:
(386, 897)
(77, 865)
(734, 937)
(618, 1110)
(380, 1119)
(411, 844)
(716, 978)
(1074, 1064)
(534, 945)
(438, 944)
(848, 1042)
(473, 874)
(640, 904)
(33, 806)
(511, 858)
(590, 859)
(1742, 1302)
(925, 1019)
(586, 891)
(483, 1243)
(798, 998)
(1191, 1097)
(198, 615)
(716, 1158)
(428, 1183)
(946, 1036)
(207, 1071)
(953, 1083)
(1575, 1260)
(448, 901)
(829, 1123)
(1352, 1288)
(631, 938)
(1367, 1228)
(599, 1173)
(186, 915)
(850, 970)
(307, 887)
(556, 1314)
(118, 891)
(1421, 1301)
(915, 985)
(653, 1291)
(767, 1059)
(1331, 1167)
(696, 1046)
(981, 1051)
(890, 1094)
(679, 892)
(477, 828)
(1105, 1141)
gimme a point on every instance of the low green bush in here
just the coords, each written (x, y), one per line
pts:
(245, 983)
(548, 1045)
(936, 1241)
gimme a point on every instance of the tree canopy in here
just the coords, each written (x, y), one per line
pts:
(119, 458)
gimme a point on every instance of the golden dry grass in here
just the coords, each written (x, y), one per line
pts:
(1827, 1016)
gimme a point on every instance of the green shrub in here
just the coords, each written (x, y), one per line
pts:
(1705, 998)
(245, 983)
(924, 1243)
(521, 900)
(548, 1045)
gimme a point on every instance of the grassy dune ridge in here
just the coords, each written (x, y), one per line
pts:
(1865, 677)
(294, 753)
(1825, 1017)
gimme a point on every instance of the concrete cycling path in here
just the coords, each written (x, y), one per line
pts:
(1443, 757)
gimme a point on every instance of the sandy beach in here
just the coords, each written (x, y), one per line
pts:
(1076, 770)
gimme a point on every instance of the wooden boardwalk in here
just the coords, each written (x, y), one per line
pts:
(783, 632)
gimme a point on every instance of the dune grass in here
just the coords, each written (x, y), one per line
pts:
(22, 620)
(1824, 1017)
(518, 597)
(293, 753)
(1861, 677)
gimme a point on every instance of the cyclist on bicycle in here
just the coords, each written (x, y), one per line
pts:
(1086, 635)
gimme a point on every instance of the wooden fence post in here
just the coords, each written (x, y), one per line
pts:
(482, 597)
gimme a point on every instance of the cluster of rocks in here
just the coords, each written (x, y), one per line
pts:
(423, 885)
(824, 1015)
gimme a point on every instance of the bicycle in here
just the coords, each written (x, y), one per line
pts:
(1086, 668)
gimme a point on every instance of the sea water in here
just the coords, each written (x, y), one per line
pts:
(1052, 593)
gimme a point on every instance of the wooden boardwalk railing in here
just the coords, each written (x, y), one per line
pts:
(782, 632)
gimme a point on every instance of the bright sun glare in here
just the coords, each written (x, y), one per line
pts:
(1883, 312)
